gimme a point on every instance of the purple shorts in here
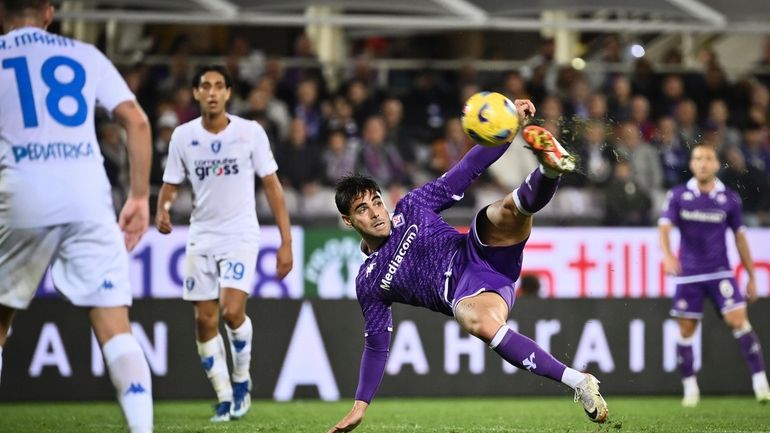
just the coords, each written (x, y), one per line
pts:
(688, 299)
(482, 268)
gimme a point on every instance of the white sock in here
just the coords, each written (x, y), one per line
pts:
(690, 385)
(214, 362)
(1, 362)
(549, 172)
(759, 381)
(240, 349)
(572, 377)
(131, 376)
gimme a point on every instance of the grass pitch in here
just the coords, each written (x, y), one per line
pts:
(520, 415)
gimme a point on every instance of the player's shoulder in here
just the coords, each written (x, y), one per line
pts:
(679, 191)
(187, 127)
(732, 195)
(241, 122)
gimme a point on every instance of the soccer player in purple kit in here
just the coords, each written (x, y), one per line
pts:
(415, 257)
(703, 209)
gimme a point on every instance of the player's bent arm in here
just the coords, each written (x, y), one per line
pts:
(742, 244)
(373, 362)
(138, 142)
(274, 193)
(670, 262)
(166, 198)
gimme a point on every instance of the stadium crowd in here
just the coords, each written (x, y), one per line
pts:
(631, 130)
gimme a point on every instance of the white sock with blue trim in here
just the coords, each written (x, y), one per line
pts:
(131, 376)
(240, 349)
(214, 362)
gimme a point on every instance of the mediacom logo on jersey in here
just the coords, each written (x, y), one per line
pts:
(215, 167)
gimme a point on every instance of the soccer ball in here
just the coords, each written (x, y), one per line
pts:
(490, 119)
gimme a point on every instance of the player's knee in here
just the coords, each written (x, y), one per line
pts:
(234, 317)
(480, 327)
(736, 322)
(207, 319)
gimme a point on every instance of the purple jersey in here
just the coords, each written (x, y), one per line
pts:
(412, 266)
(702, 220)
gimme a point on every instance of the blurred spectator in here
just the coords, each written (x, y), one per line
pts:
(755, 148)
(342, 117)
(426, 107)
(299, 160)
(718, 118)
(687, 120)
(361, 101)
(379, 158)
(619, 101)
(514, 86)
(673, 155)
(185, 107)
(578, 99)
(647, 172)
(262, 98)
(596, 155)
(529, 286)
(750, 183)
(307, 108)
(597, 107)
(396, 133)
(339, 157)
(640, 115)
(627, 203)
(672, 92)
(448, 150)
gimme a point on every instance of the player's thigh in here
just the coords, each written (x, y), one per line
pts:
(687, 302)
(726, 296)
(91, 265)
(201, 278)
(501, 224)
(24, 257)
(505, 259)
(236, 270)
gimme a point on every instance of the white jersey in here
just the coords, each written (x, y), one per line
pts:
(221, 169)
(51, 168)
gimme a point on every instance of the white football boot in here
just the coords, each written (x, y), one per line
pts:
(587, 392)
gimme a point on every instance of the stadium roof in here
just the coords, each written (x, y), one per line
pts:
(638, 16)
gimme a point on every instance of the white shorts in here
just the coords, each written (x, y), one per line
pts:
(90, 264)
(205, 275)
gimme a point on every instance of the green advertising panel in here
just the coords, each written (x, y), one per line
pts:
(332, 258)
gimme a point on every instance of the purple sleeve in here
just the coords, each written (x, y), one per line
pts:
(445, 191)
(670, 213)
(373, 362)
(735, 215)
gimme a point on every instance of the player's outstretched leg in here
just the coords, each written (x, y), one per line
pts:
(751, 350)
(548, 150)
(214, 362)
(525, 354)
(240, 349)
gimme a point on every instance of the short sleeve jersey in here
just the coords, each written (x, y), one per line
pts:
(51, 168)
(702, 220)
(221, 169)
(411, 266)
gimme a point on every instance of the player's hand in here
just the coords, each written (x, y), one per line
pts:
(352, 419)
(284, 261)
(134, 220)
(751, 290)
(524, 107)
(163, 221)
(671, 265)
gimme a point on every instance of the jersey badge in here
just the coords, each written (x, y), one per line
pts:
(398, 220)
(216, 145)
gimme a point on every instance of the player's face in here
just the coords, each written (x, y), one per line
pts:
(369, 216)
(212, 93)
(704, 164)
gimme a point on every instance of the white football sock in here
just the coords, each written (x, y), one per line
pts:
(131, 376)
(759, 382)
(572, 377)
(214, 362)
(240, 349)
(1, 362)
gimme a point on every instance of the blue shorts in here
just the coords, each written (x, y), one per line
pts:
(687, 302)
(483, 268)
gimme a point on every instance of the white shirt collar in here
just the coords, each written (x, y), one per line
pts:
(692, 185)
